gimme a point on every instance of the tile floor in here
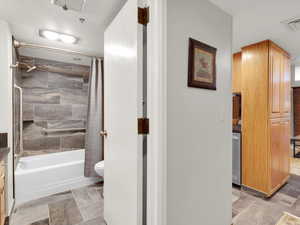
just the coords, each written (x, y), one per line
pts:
(250, 210)
(83, 206)
(295, 166)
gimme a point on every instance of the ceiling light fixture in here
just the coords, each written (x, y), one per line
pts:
(67, 38)
(56, 36)
(53, 36)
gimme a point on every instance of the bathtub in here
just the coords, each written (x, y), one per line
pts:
(43, 175)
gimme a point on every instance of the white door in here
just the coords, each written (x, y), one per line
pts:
(123, 105)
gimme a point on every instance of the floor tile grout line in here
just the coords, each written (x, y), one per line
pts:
(77, 204)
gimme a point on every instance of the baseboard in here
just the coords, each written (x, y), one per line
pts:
(254, 192)
(54, 188)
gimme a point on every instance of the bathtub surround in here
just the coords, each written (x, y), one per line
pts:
(82, 206)
(48, 174)
(54, 107)
(94, 142)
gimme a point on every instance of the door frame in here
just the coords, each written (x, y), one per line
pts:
(157, 113)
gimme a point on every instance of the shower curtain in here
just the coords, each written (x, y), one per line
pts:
(93, 140)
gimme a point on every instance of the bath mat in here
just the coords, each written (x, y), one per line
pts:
(288, 219)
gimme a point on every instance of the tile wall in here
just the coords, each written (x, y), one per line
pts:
(53, 101)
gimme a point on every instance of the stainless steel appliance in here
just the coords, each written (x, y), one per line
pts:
(236, 159)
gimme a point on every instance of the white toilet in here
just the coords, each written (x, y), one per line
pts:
(99, 168)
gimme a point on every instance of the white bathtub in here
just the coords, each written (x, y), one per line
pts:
(43, 175)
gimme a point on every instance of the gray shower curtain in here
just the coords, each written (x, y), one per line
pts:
(93, 140)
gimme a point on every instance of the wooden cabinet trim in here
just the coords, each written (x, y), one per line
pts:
(278, 48)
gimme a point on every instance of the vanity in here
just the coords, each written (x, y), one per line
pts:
(4, 150)
(3, 154)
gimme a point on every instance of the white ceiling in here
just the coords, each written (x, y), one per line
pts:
(257, 20)
(26, 17)
(254, 20)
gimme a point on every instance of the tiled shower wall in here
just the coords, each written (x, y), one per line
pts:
(53, 101)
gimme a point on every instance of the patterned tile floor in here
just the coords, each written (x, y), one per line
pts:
(83, 206)
(250, 210)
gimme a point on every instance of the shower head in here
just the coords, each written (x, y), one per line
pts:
(30, 68)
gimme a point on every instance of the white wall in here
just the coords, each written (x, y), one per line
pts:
(198, 121)
(6, 100)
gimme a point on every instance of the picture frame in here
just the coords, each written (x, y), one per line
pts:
(201, 65)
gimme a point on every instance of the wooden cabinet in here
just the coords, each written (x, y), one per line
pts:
(286, 87)
(236, 72)
(275, 151)
(275, 82)
(280, 105)
(279, 152)
(265, 116)
(2, 195)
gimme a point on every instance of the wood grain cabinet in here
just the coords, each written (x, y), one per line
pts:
(2, 195)
(265, 88)
(279, 82)
(237, 72)
(279, 157)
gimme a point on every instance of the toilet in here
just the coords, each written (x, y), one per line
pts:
(99, 168)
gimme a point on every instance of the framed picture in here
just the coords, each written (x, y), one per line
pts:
(202, 65)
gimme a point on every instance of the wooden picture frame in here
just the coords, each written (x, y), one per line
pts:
(201, 65)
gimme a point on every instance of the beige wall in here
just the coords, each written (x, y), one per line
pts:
(199, 135)
(6, 100)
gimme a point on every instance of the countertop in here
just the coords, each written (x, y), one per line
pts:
(3, 153)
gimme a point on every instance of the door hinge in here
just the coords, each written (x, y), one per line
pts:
(143, 15)
(143, 126)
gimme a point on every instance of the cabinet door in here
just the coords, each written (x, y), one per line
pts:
(2, 195)
(275, 82)
(285, 148)
(286, 87)
(2, 206)
(275, 153)
(237, 72)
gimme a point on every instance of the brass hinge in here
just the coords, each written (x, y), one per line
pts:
(143, 126)
(143, 15)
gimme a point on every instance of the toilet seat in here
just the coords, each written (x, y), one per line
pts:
(99, 168)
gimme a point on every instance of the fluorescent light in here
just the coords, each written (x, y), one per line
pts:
(67, 38)
(53, 36)
(56, 36)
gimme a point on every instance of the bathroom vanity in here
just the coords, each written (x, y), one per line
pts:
(3, 154)
(4, 150)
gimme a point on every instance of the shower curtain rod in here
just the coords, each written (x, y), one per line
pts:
(18, 44)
